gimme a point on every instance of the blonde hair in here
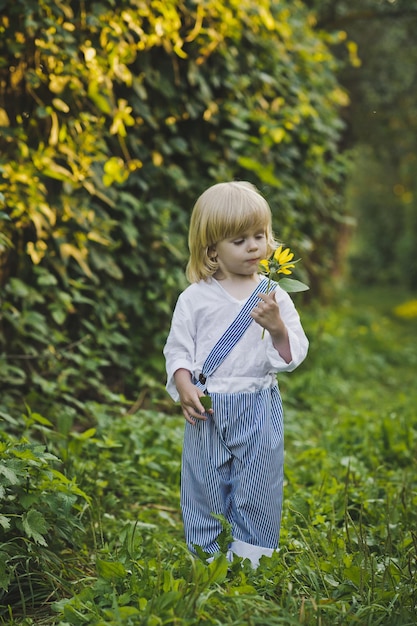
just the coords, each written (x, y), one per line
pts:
(224, 211)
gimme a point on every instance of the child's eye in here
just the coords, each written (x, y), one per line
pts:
(238, 242)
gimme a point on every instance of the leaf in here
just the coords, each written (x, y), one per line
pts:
(9, 474)
(242, 590)
(4, 522)
(6, 571)
(126, 612)
(35, 526)
(60, 105)
(206, 402)
(8, 418)
(218, 569)
(59, 315)
(226, 536)
(40, 419)
(291, 285)
(86, 434)
(68, 250)
(355, 574)
(110, 570)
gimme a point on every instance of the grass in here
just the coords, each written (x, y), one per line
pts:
(349, 538)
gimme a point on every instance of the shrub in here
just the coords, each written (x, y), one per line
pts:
(41, 524)
(114, 119)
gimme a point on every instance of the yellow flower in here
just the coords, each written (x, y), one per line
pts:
(264, 265)
(280, 263)
(283, 256)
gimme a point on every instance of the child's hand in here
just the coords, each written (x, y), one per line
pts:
(191, 406)
(267, 315)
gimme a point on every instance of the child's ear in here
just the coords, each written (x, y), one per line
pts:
(212, 252)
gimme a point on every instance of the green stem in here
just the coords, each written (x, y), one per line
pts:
(267, 292)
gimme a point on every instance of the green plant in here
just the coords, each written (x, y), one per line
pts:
(41, 523)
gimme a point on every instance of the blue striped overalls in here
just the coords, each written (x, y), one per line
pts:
(232, 463)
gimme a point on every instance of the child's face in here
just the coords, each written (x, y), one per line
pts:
(240, 255)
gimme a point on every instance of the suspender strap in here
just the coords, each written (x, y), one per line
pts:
(232, 335)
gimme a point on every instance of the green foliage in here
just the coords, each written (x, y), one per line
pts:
(40, 521)
(352, 478)
(348, 544)
(114, 117)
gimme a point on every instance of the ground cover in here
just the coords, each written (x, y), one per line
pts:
(349, 542)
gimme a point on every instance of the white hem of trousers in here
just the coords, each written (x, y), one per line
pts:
(248, 551)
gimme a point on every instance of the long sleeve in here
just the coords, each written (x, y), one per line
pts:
(179, 350)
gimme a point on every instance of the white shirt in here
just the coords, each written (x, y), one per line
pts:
(203, 312)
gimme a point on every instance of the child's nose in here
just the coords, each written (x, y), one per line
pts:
(253, 244)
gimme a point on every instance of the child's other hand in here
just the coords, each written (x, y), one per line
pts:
(191, 406)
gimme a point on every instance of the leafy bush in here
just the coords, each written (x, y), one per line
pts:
(114, 119)
(40, 518)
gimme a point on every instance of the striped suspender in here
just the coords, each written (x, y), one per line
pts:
(232, 335)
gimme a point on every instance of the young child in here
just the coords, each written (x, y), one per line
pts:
(232, 462)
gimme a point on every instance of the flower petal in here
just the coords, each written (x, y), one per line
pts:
(286, 269)
(286, 256)
(283, 256)
(277, 253)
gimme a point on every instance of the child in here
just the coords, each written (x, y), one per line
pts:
(232, 462)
